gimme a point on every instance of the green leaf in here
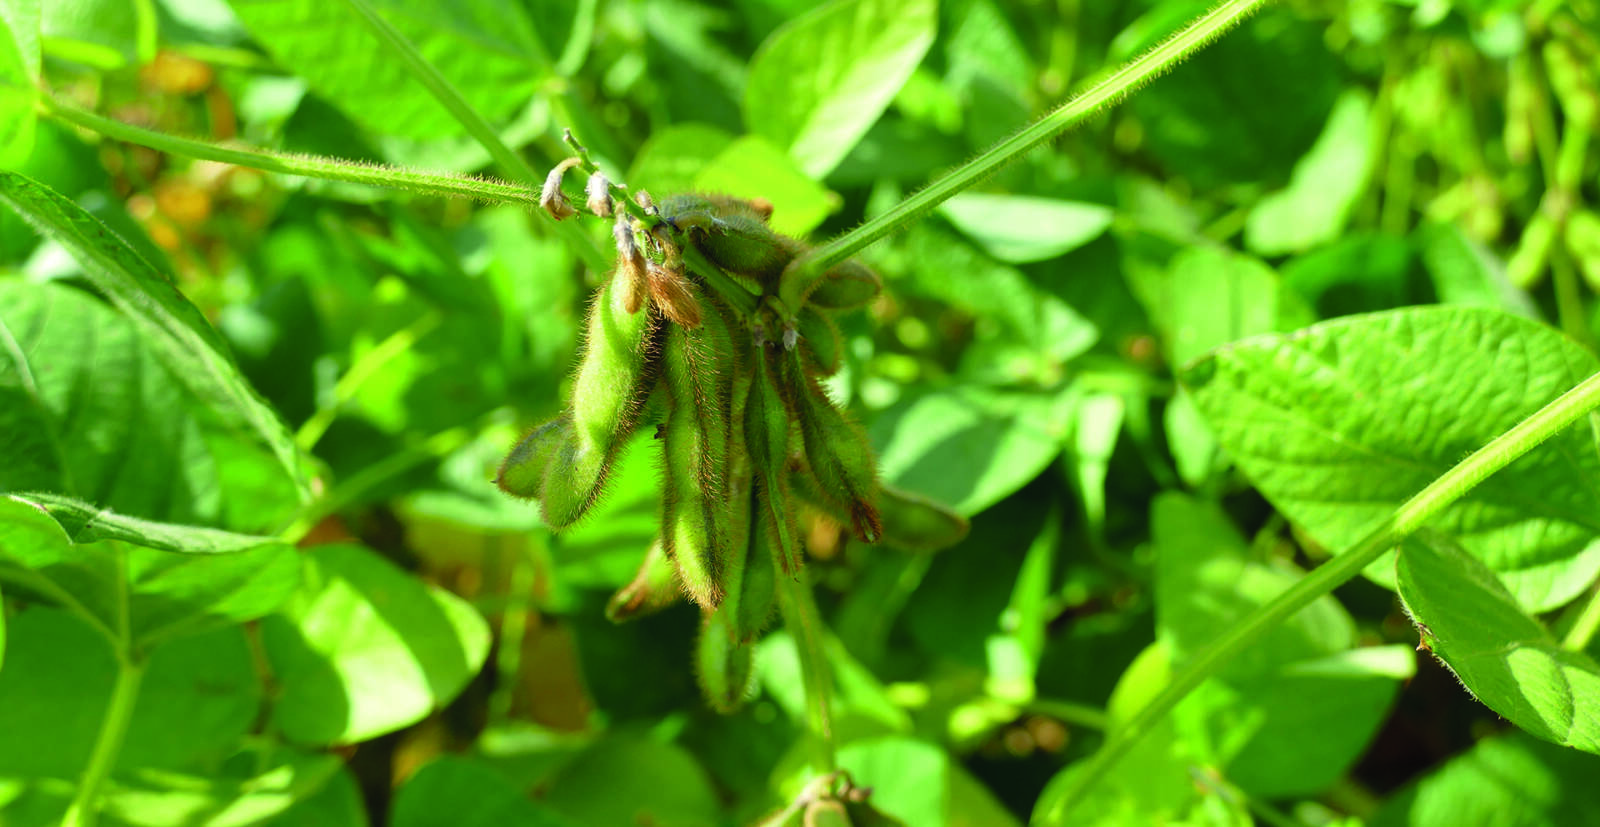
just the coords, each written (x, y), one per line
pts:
(1275, 79)
(1253, 715)
(820, 81)
(198, 697)
(1325, 186)
(1506, 659)
(19, 73)
(465, 793)
(134, 595)
(282, 778)
(1340, 423)
(364, 648)
(1465, 272)
(85, 523)
(632, 780)
(485, 48)
(969, 447)
(916, 782)
(671, 158)
(751, 167)
(1023, 228)
(1208, 296)
(185, 342)
(1510, 779)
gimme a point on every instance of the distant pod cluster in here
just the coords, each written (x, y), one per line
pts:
(748, 433)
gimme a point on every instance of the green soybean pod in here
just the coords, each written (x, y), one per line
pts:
(910, 521)
(699, 372)
(820, 340)
(613, 380)
(758, 582)
(723, 666)
(845, 286)
(837, 451)
(654, 587)
(733, 234)
(767, 428)
(522, 472)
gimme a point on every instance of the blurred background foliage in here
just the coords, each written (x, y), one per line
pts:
(1325, 159)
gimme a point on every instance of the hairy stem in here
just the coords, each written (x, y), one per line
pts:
(1440, 494)
(1102, 95)
(440, 184)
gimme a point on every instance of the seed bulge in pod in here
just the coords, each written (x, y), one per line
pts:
(838, 453)
(699, 371)
(522, 472)
(820, 340)
(614, 377)
(846, 286)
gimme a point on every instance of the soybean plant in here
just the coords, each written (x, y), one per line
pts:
(693, 320)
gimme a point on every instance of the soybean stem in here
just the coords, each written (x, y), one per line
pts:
(805, 626)
(83, 810)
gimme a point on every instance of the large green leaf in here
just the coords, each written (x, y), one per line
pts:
(199, 695)
(1275, 79)
(485, 48)
(1325, 186)
(182, 338)
(820, 81)
(270, 784)
(970, 447)
(626, 779)
(1024, 228)
(752, 167)
(1208, 296)
(1254, 714)
(1510, 780)
(918, 783)
(134, 595)
(1340, 423)
(461, 792)
(1504, 657)
(19, 72)
(364, 648)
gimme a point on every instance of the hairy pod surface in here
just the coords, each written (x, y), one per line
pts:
(618, 368)
(733, 234)
(522, 472)
(846, 286)
(821, 340)
(767, 429)
(674, 295)
(654, 587)
(724, 668)
(699, 371)
(837, 451)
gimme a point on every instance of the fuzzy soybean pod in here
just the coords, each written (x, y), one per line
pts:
(910, 521)
(767, 420)
(820, 340)
(522, 472)
(699, 372)
(723, 666)
(837, 451)
(845, 286)
(654, 587)
(614, 378)
(734, 235)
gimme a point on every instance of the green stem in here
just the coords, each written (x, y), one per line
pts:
(1070, 712)
(113, 728)
(446, 185)
(1102, 95)
(442, 90)
(805, 626)
(1441, 493)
